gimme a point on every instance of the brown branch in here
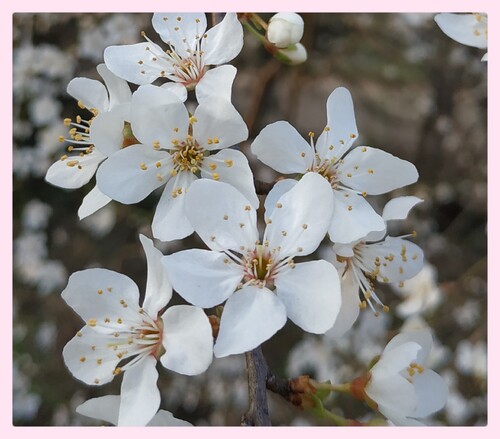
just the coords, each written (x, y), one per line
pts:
(262, 187)
(258, 412)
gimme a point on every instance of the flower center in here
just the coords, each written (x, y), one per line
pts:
(187, 155)
(259, 267)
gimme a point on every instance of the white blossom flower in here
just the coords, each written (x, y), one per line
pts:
(352, 173)
(190, 51)
(121, 336)
(385, 259)
(91, 141)
(285, 29)
(259, 279)
(293, 55)
(175, 150)
(107, 408)
(468, 29)
(400, 387)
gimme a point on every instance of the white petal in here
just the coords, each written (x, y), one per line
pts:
(96, 294)
(165, 123)
(106, 132)
(301, 223)
(399, 259)
(232, 167)
(279, 189)
(149, 95)
(123, 61)
(140, 397)
(180, 30)
(221, 215)
(251, 316)
(349, 309)
(432, 393)
(158, 287)
(202, 277)
(89, 92)
(423, 338)
(353, 218)
(341, 130)
(281, 147)
(188, 341)
(393, 394)
(399, 208)
(177, 89)
(216, 82)
(375, 172)
(218, 124)
(224, 41)
(311, 294)
(485, 57)
(166, 419)
(118, 89)
(397, 418)
(104, 408)
(78, 174)
(88, 357)
(131, 174)
(92, 202)
(462, 27)
(169, 221)
(394, 361)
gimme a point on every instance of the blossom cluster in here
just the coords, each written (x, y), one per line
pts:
(135, 142)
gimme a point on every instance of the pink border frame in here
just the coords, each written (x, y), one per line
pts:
(7, 9)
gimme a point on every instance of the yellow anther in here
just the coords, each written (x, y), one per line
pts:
(247, 207)
(352, 136)
(242, 225)
(300, 249)
(401, 284)
(210, 141)
(159, 177)
(109, 289)
(228, 163)
(269, 221)
(72, 163)
(349, 207)
(70, 148)
(327, 129)
(302, 154)
(225, 217)
(64, 157)
(176, 28)
(179, 18)
(107, 320)
(279, 205)
(99, 361)
(117, 371)
(363, 149)
(80, 104)
(173, 172)
(283, 233)
(216, 140)
(99, 291)
(192, 120)
(304, 226)
(310, 134)
(212, 166)
(119, 321)
(362, 304)
(330, 147)
(364, 194)
(143, 166)
(61, 139)
(349, 174)
(79, 334)
(67, 122)
(401, 270)
(385, 308)
(370, 171)
(92, 322)
(158, 164)
(176, 129)
(82, 359)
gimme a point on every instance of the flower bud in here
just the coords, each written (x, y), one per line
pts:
(293, 55)
(285, 29)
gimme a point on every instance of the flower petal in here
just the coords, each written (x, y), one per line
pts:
(131, 174)
(423, 338)
(118, 89)
(311, 294)
(281, 147)
(88, 357)
(231, 166)
(140, 397)
(158, 287)
(393, 259)
(221, 215)
(218, 124)
(353, 218)
(375, 172)
(124, 62)
(92, 202)
(301, 223)
(251, 316)
(463, 27)
(202, 277)
(149, 95)
(73, 172)
(167, 419)
(169, 221)
(399, 208)
(394, 361)
(104, 408)
(485, 57)
(341, 129)
(106, 132)
(166, 121)
(216, 82)
(97, 294)
(280, 188)
(224, 41)
(349, 309)
(432, 393)
(188, 341)
(91, 93)
(181, 30)
(180, 91)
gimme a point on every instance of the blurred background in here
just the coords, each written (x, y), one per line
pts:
(417, 94)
